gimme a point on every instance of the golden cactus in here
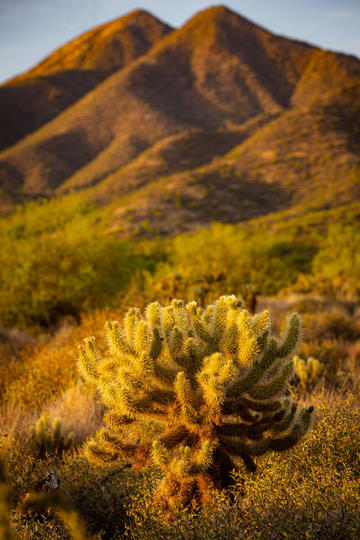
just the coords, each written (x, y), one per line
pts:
(307, 371)
(212, 380)
(48, 439)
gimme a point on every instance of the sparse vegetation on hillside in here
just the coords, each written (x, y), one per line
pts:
(294, 132)
(35, 97)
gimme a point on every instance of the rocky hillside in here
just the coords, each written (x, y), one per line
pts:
(218, 120)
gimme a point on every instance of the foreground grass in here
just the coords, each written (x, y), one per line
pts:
(311, 491)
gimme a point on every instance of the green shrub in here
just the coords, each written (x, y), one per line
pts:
(55, 259)
(225, 258)
(337, 264)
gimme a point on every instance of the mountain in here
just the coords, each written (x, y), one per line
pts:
(219, 119)
(33, 98)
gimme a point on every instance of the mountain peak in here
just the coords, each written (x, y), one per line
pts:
(219, 14)
(33, 98)
(141, 15)
(107, 47)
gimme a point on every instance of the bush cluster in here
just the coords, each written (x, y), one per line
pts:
(56, 259)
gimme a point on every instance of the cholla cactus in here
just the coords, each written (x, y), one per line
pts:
(308, 372)
(49, 440)
(212, 380)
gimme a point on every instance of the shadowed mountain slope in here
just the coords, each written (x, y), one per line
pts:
(33, 98)
(219, 120)
(177, 153)
(300, 160)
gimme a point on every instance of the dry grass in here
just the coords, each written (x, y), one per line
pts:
(79, 411)
(77, 408)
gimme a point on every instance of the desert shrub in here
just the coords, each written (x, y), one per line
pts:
(212, 380)
(336, 266)
(44, 374)
(225, 258)
(333, 323)
(56, 259)
(80, 412)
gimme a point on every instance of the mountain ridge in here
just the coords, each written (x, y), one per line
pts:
(33, 98)
(200, 86)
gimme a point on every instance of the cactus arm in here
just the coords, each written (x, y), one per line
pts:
(183, 390)
(173, 437)
(160, 455)
(204, 458)
(274, 387)
(255, 373)
(114, 443)
(131, 320)
(291, 336)
(98, 454)
(116, 339)
(262, 406)
(88, 361)
(156, 344)
(238, 449)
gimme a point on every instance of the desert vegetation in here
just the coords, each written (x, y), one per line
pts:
(112, 481)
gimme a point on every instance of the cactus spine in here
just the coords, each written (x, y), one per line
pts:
(212, 379)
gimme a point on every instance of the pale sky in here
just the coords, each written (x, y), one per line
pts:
(32, 29)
